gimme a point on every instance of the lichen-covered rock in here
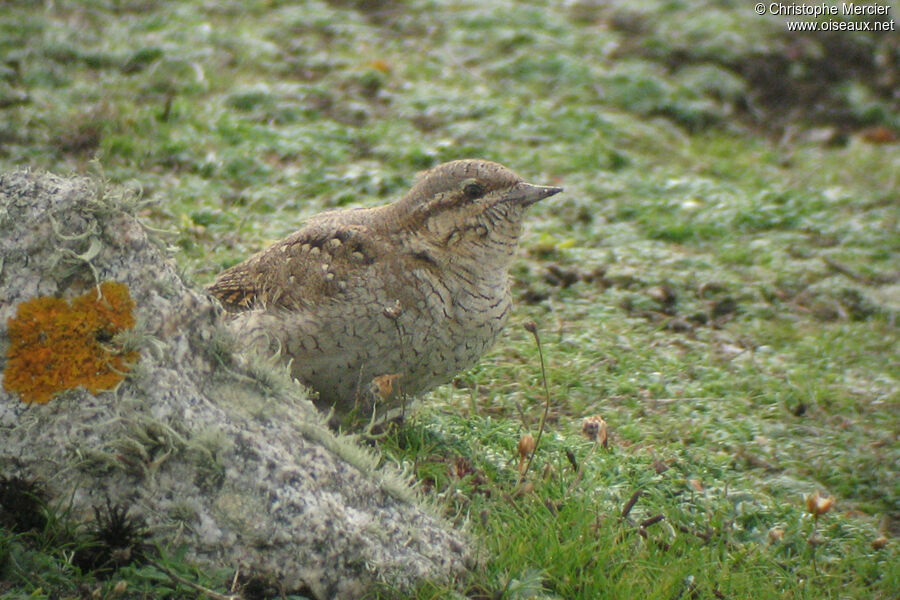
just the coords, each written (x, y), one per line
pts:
(120, 384)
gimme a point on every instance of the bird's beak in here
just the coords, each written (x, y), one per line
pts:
(527, 194)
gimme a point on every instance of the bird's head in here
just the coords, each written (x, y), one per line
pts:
(470, 208)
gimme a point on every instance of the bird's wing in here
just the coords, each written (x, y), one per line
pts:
(308, 267)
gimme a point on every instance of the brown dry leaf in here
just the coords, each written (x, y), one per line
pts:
(524, 489)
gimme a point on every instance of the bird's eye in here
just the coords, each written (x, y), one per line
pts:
(473, 190)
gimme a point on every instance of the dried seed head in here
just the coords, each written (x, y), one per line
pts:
(818, 505)
(879, 542)
(384, 385)
(594, 429)
(526, 445)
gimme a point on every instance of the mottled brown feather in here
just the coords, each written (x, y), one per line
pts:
(303, 269)
(413, 291)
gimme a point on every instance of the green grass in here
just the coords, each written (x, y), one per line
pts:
(719, 280)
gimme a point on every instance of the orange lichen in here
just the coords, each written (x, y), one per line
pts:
(55, 345)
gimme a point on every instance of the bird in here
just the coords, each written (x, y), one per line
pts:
(370, 306)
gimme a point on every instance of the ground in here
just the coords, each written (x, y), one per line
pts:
(719, 280)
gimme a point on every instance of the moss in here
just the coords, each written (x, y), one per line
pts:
(21, 504)
(56, 345)
(115, 539)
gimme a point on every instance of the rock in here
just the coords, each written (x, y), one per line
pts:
(120, 385)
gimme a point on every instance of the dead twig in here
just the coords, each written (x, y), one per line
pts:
(866, 279)
(706, 536)
(641, 527)
(572, 460)
(630, 504)
(651, 521)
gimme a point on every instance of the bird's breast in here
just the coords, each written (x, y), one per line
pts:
(455, 317)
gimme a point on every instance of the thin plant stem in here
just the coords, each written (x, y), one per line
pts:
(531, 326)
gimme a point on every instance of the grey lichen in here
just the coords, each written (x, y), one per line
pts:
(219, 452)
